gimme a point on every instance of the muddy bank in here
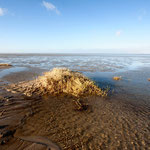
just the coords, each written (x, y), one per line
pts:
(14, 109)
(14, 106)
(119, 122)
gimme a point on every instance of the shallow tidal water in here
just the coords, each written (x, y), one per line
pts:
(80, 62)
(121, 121)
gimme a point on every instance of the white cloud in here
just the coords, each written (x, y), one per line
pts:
(3, 11)
(50, 7)
(118, 33)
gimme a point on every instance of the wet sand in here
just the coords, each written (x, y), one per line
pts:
(121, 121)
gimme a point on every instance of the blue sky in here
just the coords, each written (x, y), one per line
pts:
(51, 26)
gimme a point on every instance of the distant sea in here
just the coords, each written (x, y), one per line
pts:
(79, 62)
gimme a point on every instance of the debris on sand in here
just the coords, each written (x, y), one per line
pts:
(58, 82)
(5, 65)
(117, 78)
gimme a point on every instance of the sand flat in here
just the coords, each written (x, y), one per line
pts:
(120, 121)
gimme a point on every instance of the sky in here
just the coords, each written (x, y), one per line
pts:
(75, 26)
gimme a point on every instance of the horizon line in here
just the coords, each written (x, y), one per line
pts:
(71, 53)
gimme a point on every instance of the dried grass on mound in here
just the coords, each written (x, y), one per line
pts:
(5, 65)
(61, 81)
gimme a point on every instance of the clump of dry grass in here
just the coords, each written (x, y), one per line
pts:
(5, 65)
(117, 78)
(60, 81)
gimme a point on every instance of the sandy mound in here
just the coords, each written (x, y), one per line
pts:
(61, 81)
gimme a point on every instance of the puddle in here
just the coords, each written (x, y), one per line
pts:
(11, 70)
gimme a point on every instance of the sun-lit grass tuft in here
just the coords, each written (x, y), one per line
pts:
(117, 78)
(62, 81)
(5, 65)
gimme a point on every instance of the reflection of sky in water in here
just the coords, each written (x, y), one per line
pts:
(106, 63)
(11, 70)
